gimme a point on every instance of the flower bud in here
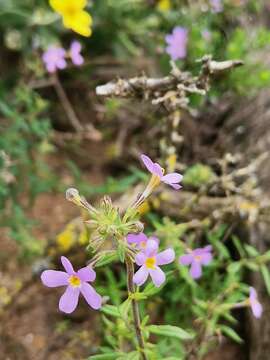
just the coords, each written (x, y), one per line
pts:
(72, 194)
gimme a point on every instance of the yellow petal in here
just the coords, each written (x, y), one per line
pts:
(80, 23)
(164, 5)
(67, 6)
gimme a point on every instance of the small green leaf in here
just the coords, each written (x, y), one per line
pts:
(266, 277)
(109, 356)
(226, 330)
(251, 251)
(111, 310)
(170, 331)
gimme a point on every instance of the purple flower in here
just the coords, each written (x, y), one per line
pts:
(177, 43)
(140, 240)
(256, 307)
(54, 58)
(171, 179)
(216, 6)
(149, 261)
(75, 53)
(76, 283)
(196, 258)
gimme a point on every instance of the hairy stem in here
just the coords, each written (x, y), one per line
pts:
(135, 307)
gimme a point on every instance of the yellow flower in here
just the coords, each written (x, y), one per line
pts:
(66, 239)
(74, 16)
(164, 5)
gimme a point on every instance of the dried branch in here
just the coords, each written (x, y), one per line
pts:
(173, 87)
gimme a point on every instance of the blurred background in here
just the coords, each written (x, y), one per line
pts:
(55, 132)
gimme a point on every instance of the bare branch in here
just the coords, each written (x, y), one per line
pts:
(178, 84)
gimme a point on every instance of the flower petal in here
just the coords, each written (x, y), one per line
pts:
(151, 248)
(148, 163)
(91, 296)
(165, 257)
(172, 178)
(195, 270)
(158, 170)
(86, 274)
(175, 186)
(136, 238)
(158, 276)
(206, 258)
(256, 308)
(186, 259)
(140, 258)
(154, 238)
(53, 278)
(69, 300)
(252, 293)
(75, 46)
(140, 276)
(67, 265)
(207, 248)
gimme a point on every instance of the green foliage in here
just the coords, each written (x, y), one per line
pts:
(24, 143)
(198, 175)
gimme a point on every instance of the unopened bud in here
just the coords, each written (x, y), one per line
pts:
(138, 226)
(72, 194)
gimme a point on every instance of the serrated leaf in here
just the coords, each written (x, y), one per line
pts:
(170, 331)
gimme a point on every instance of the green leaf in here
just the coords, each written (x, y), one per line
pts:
(170, 331)
(266, 277)
(109, 356)
(107, 259)
(251, 251)
(226, 330)
(111, 310)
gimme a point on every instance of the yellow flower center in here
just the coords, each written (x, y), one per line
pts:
(143, 244)
(150, 263)
(74, 281)
(198, 258)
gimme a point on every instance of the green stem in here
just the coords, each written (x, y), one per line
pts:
(135, 307)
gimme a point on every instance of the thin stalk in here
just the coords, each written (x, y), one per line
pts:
(135, 307)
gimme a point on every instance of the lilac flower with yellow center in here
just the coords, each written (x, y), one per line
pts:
(75, 53)
(197, 258)
(177, 43)
(149, 261)
(76, 283)
(256, 307)
(54, 58)
(140, 240)
(172, 179)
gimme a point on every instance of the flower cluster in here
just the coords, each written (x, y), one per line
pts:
(149, 259)
(74, 16)
(106, 222)
(55, 57)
